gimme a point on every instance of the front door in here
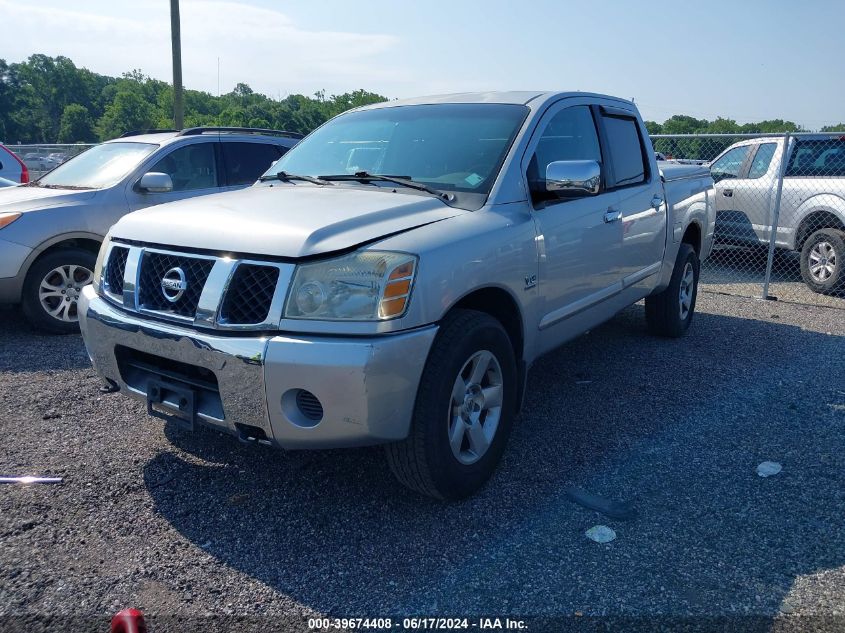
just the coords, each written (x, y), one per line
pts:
(193, 170)
(579, 239)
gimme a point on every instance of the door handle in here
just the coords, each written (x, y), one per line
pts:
(728, 193)
(656, 202)
(612, 215)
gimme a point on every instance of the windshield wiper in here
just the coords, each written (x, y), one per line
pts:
(283, 175)
(403, 181)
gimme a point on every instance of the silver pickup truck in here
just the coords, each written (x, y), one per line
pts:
(811, 219)
(392, 278)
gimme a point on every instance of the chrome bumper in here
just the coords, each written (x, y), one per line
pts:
(366, 386)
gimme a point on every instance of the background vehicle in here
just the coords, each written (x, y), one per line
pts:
(406, 308)
(812, 213)
(51, 230)
(11, 167)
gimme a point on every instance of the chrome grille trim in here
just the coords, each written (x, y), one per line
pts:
(213, 293)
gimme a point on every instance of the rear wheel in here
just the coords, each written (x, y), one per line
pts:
(823, 260)
(463, 412)
(52, 288)
(669, 313)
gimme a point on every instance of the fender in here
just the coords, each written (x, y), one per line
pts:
(52, 241)
(823, 202)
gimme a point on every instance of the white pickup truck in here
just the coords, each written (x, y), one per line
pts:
(392, 278)
(811, 219)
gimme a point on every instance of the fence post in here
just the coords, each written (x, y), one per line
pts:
(776, 215)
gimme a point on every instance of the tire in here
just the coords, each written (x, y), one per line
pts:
(426, 461)
(52, 285)
(823, 262)
(669, 313)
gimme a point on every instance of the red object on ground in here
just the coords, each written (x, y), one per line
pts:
(128, 621)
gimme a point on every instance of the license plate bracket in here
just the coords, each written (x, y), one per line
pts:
(172, 403)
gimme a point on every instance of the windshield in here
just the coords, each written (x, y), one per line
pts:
(452, 147)
(101, 166)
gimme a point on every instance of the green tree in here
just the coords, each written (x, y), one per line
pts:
(839, 127)
(653, 127)
(76, 125)
(129, 111)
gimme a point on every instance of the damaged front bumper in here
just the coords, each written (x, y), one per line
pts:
(289, 391)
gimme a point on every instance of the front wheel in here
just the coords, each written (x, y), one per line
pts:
(823, 260)
(464, 409)
(669, 313)
(52, 288)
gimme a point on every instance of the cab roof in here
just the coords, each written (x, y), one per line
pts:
(518, 97)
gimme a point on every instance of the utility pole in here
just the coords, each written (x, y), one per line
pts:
(176, 41)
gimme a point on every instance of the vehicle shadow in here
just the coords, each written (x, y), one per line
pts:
(24, 350)
(676, 427)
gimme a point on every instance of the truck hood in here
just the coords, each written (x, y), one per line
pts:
(24, 198)
(284, 220)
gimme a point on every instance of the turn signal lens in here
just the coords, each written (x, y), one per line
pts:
(397, 290)
(7, 218)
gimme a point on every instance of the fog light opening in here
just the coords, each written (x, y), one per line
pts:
(302, 408)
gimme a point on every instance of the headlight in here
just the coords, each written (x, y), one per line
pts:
(7, 218)
(98, 267)
(363, 286)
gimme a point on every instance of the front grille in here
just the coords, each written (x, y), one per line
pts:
(153, 268)
(115, 268)
(249, 295)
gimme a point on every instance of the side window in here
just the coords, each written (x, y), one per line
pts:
(245, 162)
(570, 135)
(191, 167)
(817, 158)
(762, 160)
(626, 150)
(729, 164)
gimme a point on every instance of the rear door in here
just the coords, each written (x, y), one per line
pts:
(640, 197)
(244, 162)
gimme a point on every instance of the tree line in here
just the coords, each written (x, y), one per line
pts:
(50, 100)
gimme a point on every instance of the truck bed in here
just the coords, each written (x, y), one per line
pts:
(676, 171)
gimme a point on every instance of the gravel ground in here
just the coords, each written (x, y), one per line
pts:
(197, 526)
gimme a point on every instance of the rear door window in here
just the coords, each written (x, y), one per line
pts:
(762, 160)
(730, 164)
(626, 151)
(817, 158)
(245, 162)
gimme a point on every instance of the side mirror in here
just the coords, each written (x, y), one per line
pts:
(573, 178)
(155, 182)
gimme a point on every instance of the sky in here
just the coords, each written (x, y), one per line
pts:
(742, 59)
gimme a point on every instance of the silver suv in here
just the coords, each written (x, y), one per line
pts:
(51, 229)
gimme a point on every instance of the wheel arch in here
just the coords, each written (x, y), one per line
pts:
(500, 304)
(80, 239)
(818, 217)
(693, 236)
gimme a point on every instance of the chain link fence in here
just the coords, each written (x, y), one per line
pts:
(780, 213)
(801, 197)
(39, 159)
